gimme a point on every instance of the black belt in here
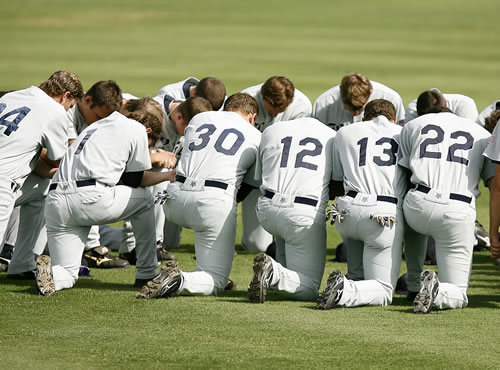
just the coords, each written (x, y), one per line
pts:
(454, 196)
(211, 183)
(79, 184)
(302, 200)
(381, 198)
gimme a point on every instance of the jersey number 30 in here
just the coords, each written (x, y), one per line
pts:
(239, 138)
(20, 113)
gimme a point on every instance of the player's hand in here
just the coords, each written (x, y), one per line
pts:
(333, 214)
(384, 221)
(495, 246)
(163, 159)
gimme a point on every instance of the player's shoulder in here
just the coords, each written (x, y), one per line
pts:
(330, 95)
(252, 90)
(381, 90)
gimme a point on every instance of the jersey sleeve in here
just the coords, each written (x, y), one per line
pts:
(405, 147)
(139, 158)
(411, 111)
(467, 108)
(55, 137)
(337, 168)
(492, 150)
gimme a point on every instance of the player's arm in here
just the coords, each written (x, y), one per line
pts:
(336, 189)
(243, 191)
(45, 167)
(152, 178)
(495, 213)
(163, 159)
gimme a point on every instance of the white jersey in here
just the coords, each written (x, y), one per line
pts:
(444, 152)
(461, 105)
(170, 137)
(487, 111)
(493, 149)
(75, 122)
(329, 108)
(220, 146)
(106, 149)
(179, 90)
(295, 159)
(27, 124)
(365, 158)
(299, 107)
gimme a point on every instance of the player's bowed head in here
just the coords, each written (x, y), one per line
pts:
(243, 104)
(355, 90)
(380, 107)
(185, 111)
(64, 87)
(277, 93)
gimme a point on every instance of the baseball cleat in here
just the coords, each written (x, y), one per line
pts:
(165, 285)
(429, 287)
(333, 291)
(101, 258)
(163, 254)
(482, 236)
(261, 279)
(44, 278)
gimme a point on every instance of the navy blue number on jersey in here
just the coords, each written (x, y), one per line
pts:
(84, 140)
(467, 141)
(315, 150)
(12, 125)
(390, 151)
(228, 142)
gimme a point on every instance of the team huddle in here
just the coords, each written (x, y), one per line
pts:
(72, 161)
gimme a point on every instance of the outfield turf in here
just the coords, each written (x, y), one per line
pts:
(409, 46)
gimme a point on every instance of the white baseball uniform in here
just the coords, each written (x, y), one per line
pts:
(365, 160)
(329, 108)
(493, 149)
(444, 153)
(84, 192)
(179, 90)
(26, 125)
(487, 111)
(220, 148)
(254, 237)
(461, 105)
(295, 161)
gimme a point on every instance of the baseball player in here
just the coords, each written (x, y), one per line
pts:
(365, 160)
(26, 126)
(444, 154)
(493, 153)
(486, 112)
(219, 154)
(87, 191)
(295, 164)
(344, 104)
(461, 105)
(209, 88)
(278, 101)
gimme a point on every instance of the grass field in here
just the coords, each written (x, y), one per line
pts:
(409, 46)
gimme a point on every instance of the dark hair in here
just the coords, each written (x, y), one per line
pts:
(60, 82)
(213, 90)
(192, 106)
(106, 93)
(428, 99)
(147, 103)
(492, 120)
(278, 91)
(379, 107)
(438, 109)
(242, 103)
(149, 120)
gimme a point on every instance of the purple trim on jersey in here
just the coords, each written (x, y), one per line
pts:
(167, 99)
(187, 85)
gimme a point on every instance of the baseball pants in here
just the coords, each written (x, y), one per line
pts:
(255, 238)
(299, 231)
(451, 223)
(71, 210)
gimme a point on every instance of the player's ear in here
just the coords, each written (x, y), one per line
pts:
(251, 118)
(148, 130)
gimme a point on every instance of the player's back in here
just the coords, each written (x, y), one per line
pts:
(444, 152)
(295, 158)
(219, 146)
(365, 158)
(24, 124)
(106, 149)
(179, 90)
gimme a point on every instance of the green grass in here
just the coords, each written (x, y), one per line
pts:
(452, 45)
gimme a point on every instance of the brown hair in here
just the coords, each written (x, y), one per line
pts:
(379, 107)
(355, 90)
(278, 91)
(106, 93)
(149, 120)
(242, 103)
(491, 121)
(147, 103)
(192, 106)
(213, 90)
(60, 82)
(428, 99)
